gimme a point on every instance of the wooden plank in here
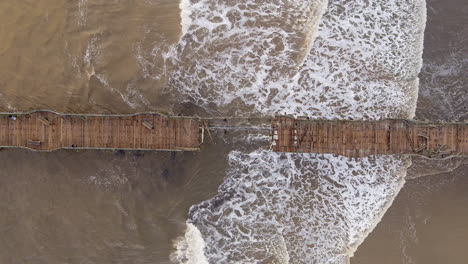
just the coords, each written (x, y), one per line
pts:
(360, 138)
(55, 131)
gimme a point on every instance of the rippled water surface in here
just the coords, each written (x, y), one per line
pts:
(235, 201)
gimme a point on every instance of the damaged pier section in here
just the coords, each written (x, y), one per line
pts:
(364, 138)
(47, 131)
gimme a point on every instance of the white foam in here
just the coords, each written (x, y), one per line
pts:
(319, 207)
(82, 11)
(185, 15)
(302, 208)
(363, 64)
(190, 247)
(231, 49)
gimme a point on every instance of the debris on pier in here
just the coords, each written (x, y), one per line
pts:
(364, 138)
(44, 130)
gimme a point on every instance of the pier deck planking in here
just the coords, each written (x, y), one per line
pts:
(98, 132)
(364, 138)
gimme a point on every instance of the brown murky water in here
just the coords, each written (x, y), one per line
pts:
(427, 222)
(85, 55)
(129, 207)
(101, 207)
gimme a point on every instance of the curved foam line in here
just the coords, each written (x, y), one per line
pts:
(185, 12)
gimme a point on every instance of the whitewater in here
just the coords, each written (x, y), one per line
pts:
(325, 60)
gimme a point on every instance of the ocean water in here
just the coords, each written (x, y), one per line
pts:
(428, 213)
(230, 50)
(353, 62)
(444, 93)
(363, 63)
(281, 208)
(87, 55)
(234, 202)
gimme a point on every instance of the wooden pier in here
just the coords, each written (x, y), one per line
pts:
(364, 138)
(46, 131)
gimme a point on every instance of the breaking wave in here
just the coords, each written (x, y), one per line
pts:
(360, 60)
(190, 247)
(364, 61)
(231, 49)
(304, 208)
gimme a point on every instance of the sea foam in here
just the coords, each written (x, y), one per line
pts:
(190, 247)
(306, 208)
(363, 64)
(232, 48)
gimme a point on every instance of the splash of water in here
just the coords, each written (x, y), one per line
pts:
(190, 247)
